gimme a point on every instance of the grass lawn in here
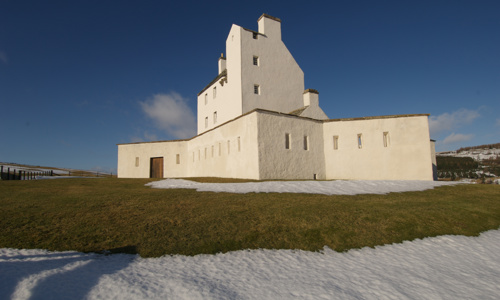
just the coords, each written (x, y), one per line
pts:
(123, 215)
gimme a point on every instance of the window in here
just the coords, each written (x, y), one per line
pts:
(360, 141)
(239, 144)
(206, 99)
(256, 89)
(386, 139)
(306, 142)
(228, 147)
(215, 117)
(335, 142)
(177, 158)
(215, 92)
(220, 149)
(137, 161)
(287, 141)
(255, 60)
(206, 122)
(254, 35)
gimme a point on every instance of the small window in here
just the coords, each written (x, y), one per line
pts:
(287, 141)
(256, 89)
(255, 60)
(215, 117)
(220, 149)
(335, 142)
(228, 147)
(137, 161)
(254, 35)
(239, 144)
(306, 142)
(206, 99)
(177, 158)
(215, 92)
(386, 139)
(206, 122)
(360, 141)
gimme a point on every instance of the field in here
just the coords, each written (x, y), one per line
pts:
(123, 215)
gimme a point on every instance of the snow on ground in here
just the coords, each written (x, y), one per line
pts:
(445, 267)
(337, 187)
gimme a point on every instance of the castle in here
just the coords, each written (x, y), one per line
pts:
(257, 121)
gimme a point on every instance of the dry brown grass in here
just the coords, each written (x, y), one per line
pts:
(123, 215)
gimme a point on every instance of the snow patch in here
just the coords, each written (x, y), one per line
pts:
(445, 267)
(337, 187)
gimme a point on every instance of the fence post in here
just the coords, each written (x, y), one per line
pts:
(1, 172)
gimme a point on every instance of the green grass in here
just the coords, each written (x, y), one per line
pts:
(123, 215)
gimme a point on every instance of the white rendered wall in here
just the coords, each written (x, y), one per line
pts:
(227, 151)
(433, 159)
(277, 162)
(406, 157)
(280, 79)
(129, 153)
(227, 102)
(311, 100)
(235, 151)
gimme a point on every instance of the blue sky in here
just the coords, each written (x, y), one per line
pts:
(79, 77)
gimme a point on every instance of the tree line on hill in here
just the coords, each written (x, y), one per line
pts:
(489, 146)
(466, 167)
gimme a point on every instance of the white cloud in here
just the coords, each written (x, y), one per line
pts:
(144, 137)
(452, 121)
(457, 138)
(171, 113)
(3, 57)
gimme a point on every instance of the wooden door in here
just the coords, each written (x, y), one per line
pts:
(156, 169)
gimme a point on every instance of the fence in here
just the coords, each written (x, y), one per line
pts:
(78, 173)
(7, 174)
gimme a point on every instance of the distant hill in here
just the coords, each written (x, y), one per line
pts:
(470, 162)
(479, 153)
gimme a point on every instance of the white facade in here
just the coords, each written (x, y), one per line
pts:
(258, 72)
(255, 121)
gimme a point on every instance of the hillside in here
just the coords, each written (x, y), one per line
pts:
(470, 162)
